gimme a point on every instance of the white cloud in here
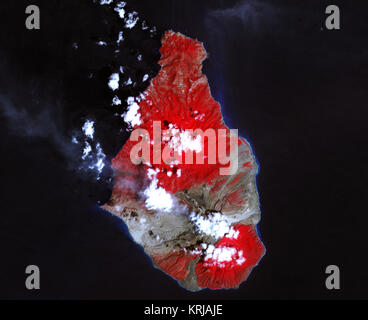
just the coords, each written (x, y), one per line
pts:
(102, 2)
(88, 128)
(128, 82)
(98, 161)
(87, 150)
(233, 233)
(132, 116)
(116, 101)
(114, 81)
(151, 173)
(219, 256)
(94, 158)
(120, 9)
(157, 198)
(215, 225)
(182, 140)
(131, 20)
(120, 38)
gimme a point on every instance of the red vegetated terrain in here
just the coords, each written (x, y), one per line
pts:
(212, 274)
(231, 273)
(180, 96)
(175, 263)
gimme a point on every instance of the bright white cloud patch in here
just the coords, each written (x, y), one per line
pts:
(93, 156)
(215, 225)
(114, 81)
(132, 116)
(151, 173)
(157, 198)
(131, 20)
(183, 140)
(233, 233)
(88, 128)
(220, 256)
(102, 2)
(120, 9)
